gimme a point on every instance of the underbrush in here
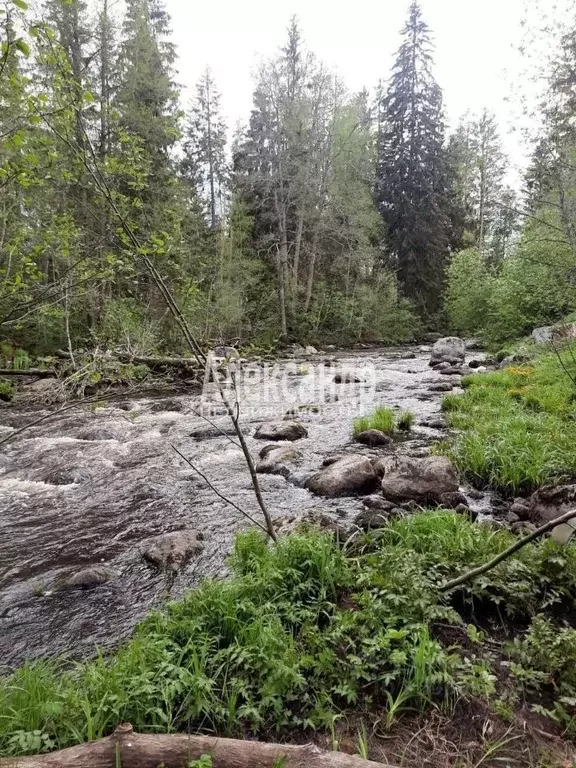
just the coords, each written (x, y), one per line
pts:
(385, 420)
(304, 633)
(518, 425)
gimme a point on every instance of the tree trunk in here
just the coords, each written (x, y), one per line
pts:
(131, 750)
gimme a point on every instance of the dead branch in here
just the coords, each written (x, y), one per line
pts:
(132, 750)
(507, 552)
(217, 492)
(43, 373)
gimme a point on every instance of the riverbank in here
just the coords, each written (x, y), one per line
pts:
(307, 637)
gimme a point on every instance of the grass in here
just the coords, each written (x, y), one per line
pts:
(305, 635)
(518, 425)
(385, 420)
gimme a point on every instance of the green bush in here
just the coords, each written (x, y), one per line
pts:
(533, 287)
(470, 283)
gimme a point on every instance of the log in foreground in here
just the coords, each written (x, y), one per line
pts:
(126, 749)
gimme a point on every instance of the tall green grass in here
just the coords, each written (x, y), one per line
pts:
(299, 635)
(518, 426)
(385, 420)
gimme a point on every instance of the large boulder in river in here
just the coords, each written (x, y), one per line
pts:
(171, 551)
(346, 477)
(550, 502)
(423, 480)
(282, 430)
(275, 458)
(450, 350)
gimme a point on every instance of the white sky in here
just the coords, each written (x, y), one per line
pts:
(476, 61)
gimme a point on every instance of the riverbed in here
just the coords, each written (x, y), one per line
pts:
(92, 486)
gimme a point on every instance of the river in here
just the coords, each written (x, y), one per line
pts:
(131, 486)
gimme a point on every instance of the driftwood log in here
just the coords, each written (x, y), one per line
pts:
(151, 362)
(43, 373)
(127, 749)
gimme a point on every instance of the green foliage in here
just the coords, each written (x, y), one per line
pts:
(385, 420)
(299, 635)
(544, 660)
(405, 421)
(205, 761)
(470, 284)
(7, 390)
(532, 288)
(518, 428)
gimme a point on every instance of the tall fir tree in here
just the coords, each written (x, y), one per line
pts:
(412, 187)
(148, 97)
(205, 148)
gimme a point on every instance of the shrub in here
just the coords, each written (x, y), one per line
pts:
(470, 283)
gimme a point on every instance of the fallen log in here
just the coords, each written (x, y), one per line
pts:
(132, 750)
(43, 373)
(150, 361)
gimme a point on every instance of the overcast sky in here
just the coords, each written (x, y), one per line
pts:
(476, 60)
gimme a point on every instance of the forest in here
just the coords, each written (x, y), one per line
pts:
(287, 408)
(330, 216)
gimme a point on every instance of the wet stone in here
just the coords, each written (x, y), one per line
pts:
(96, 434)
(73, 476)
(88, 578)
(161, 406)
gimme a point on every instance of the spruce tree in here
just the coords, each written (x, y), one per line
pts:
(204, 162)
(411, 188)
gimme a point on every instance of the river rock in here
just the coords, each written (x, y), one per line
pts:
(299, 478)
(206, 433)
(226, 353)
(372, 437)
(450, 350)
(310, 350)
(453, 499)
(511, 359)
(552, 332)
(282, 430)
(161, 406)
(475, 364)
(88, 578)
(96, 434)
(370, 519)
(451, 371)
(425, 348)
(274, 459)
(423, 480)
(346, 477)
(521, 509)
(434, 423)
(72, 476)
(345, 377)
(442, 386)
(551, 501)
(377, 502)
(408, 356)
(171, 551)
